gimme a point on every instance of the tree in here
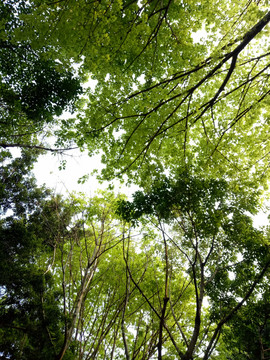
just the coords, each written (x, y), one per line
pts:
(26, 290)
(63, 280)
(210, 242)
(163, 95)
(18, 191)
(174, 273)
(97, 297)
(247, 336)
(33, 89)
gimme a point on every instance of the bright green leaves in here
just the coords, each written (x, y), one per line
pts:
(195, 111)
(169, 94)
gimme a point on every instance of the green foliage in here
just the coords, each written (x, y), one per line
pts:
(33, 89)
(165, 98)
(179, 271)
(37, 87)
(27, 293)
(71, 267)
(179, 83)
(186, 192)
(210, 240)
(248, 332)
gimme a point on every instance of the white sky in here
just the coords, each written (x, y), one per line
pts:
(78, 165)
(261, 220)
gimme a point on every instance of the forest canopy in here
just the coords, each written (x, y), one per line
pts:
(174, 95)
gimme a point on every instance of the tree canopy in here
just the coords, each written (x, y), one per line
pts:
(34, 89)
(174, 77)
(175, 96)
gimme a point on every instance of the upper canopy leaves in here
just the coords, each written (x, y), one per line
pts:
(179, 83)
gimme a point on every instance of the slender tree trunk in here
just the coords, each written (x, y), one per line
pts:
(161, 325)
(77, 307)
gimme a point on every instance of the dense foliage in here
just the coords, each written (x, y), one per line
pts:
(178, 103)
(175, 78)
(33, 88)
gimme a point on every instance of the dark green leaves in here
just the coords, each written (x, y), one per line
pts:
(34, 89)
(38, 87)
(187, 194)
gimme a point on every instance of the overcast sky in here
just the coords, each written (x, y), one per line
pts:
(78, 165)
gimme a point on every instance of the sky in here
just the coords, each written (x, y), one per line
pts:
(78, 164)
(64, 181)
